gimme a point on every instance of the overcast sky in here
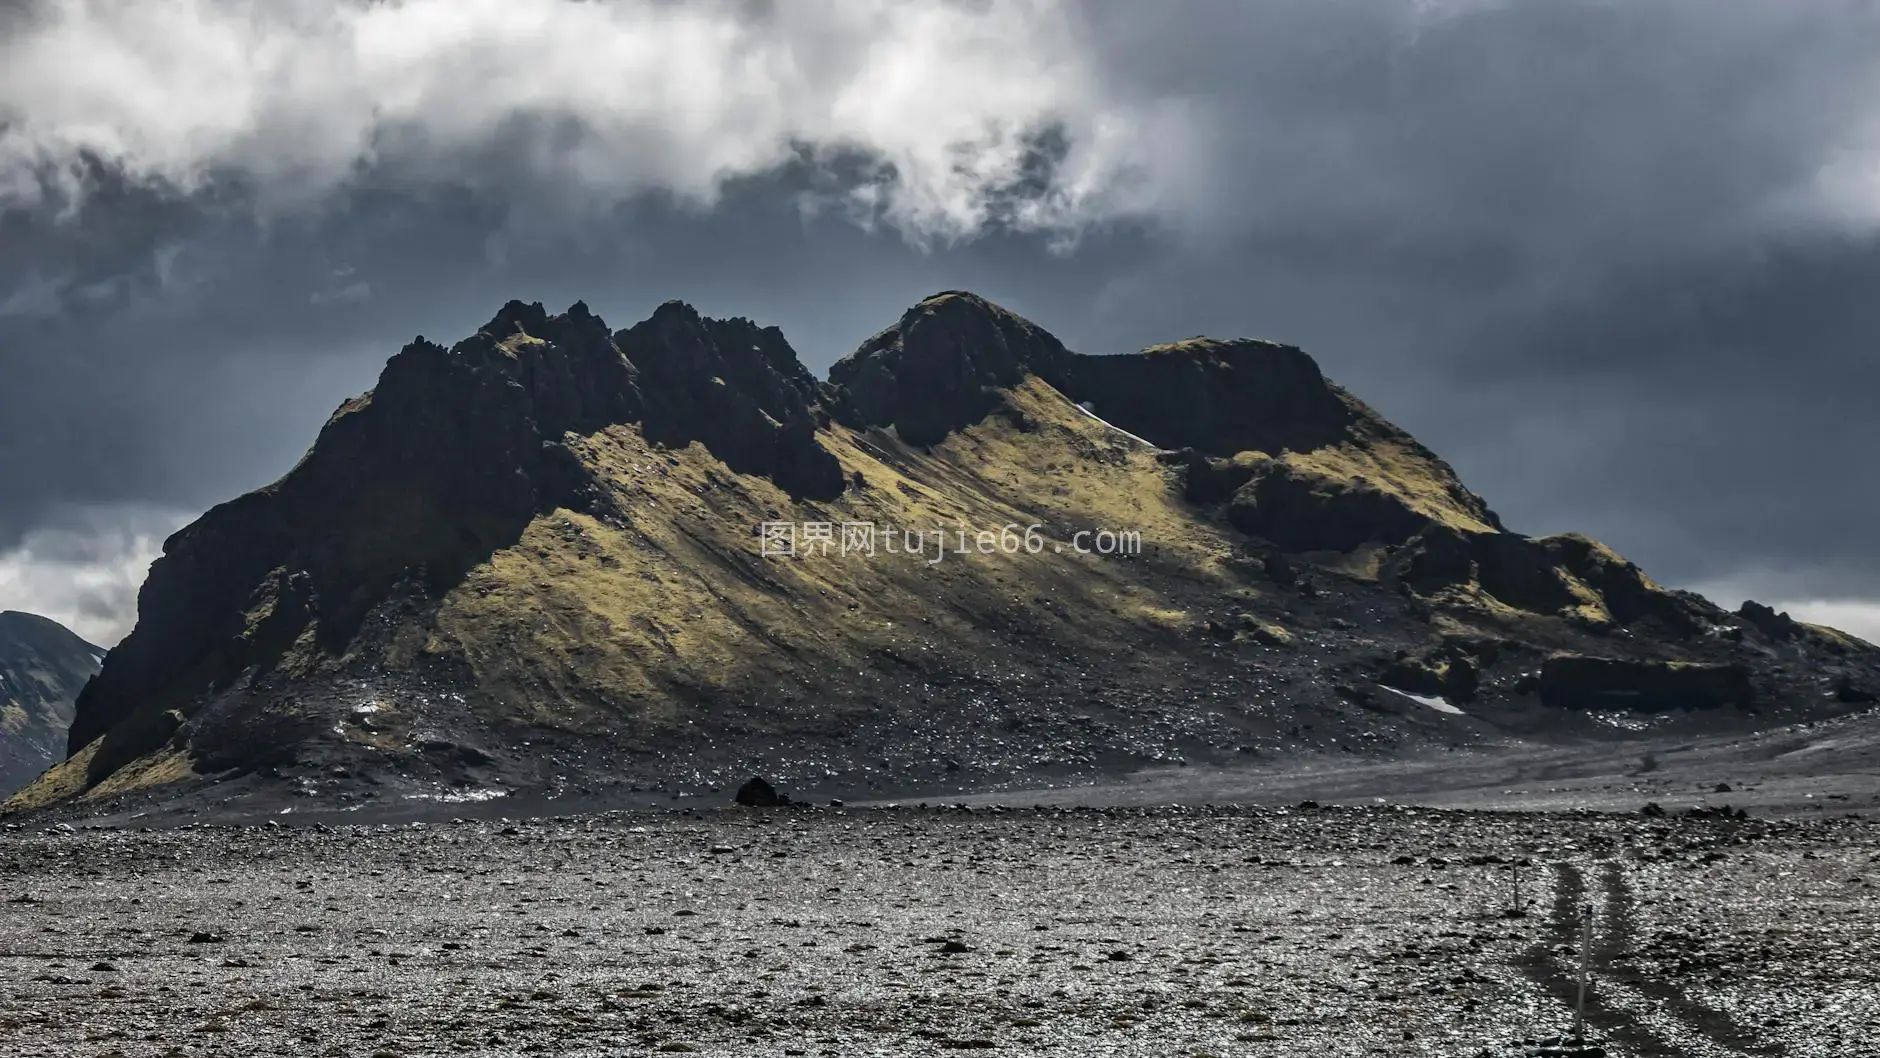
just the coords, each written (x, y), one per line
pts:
(1616, 261)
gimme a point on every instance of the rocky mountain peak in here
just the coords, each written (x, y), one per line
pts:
(442, 464)
(942, 365)
(544, 535)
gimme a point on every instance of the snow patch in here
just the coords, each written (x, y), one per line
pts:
(1088, 410)
(1438, 704)
(458, 796)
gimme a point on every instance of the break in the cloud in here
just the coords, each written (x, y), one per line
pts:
(1856, 618)
(1613, 260)
(85, 573)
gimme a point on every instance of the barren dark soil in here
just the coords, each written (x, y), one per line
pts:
(839, 931)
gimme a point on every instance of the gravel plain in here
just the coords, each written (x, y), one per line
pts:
(928, 930)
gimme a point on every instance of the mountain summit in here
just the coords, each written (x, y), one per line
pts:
(549, 557)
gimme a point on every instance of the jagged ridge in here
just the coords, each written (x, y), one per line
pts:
(548, 528)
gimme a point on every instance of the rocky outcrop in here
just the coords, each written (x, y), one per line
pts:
(1449, 673)
(943, 366)
(1778, 626)
(1302, 511)
(1276, 449)
(735, 387)
(1577, 682)
(43, 666)
(1568, 576)
(407, 488)
(1219, 398)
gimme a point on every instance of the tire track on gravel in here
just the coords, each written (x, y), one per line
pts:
(1613, 951)
(1557, 973)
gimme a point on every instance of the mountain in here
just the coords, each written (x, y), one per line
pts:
(43, 666)
(536, 560)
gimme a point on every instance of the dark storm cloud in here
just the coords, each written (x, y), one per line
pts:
(1609, 259)
(230, 365)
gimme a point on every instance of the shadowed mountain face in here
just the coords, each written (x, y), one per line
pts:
(42, 668)
(534, 560)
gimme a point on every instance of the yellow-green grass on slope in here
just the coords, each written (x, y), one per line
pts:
(1836, 636)
(62, 782)
(599, 623)
(65, 781)
(587, 621)
(1588, 605)
(1422, 484)
(1203, 345)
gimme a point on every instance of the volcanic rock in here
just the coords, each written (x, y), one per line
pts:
(1847, 692)
(1578, 682)
(553, 556)
(1777, 626)
(944, 365)
(757, 793)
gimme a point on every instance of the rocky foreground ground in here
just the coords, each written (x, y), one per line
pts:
(894, 931)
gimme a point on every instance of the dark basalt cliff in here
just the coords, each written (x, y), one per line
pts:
(445, 462)
(43, 666)
(943, 366)
(534, 553)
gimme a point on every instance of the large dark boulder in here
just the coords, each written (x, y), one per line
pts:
(757, 793)
(1576, 681)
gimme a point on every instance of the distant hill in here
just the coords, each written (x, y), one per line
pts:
(43, 666)
(533, 560)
